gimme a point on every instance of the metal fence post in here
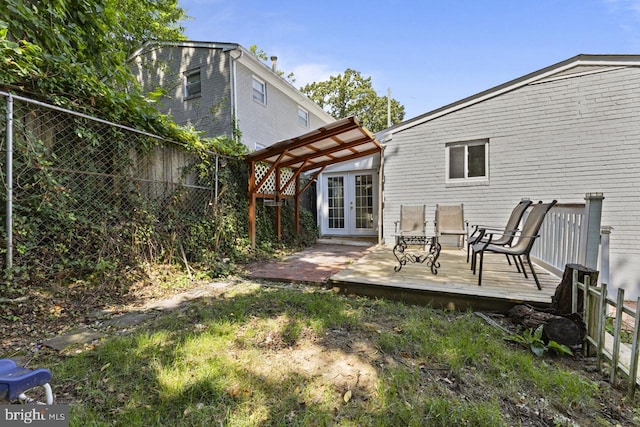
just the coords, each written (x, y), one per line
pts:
(216, 181)
(9, 184)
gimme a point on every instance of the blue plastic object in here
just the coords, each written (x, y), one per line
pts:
(15, 380)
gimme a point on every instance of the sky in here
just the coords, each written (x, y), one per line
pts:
(427, 53)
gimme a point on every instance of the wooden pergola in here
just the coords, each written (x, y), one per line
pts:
(275, 171)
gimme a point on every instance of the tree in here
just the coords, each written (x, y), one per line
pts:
(350, 94)
(74, 52)
(98, 35)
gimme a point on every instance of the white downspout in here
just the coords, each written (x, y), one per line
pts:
(234, 86)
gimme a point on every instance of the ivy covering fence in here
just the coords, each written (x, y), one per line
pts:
(84, 196)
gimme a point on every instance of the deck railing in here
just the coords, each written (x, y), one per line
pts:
(572, 234)
(616, 338)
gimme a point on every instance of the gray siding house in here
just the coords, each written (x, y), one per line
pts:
(557, 133)
(216, 86)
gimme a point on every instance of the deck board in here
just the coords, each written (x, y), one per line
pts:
(454, 284)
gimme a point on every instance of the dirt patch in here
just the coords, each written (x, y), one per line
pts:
(335, 361)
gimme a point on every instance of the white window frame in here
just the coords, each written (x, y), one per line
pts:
(259, 96)
(303, 117)
(466, 179)
(187, 85)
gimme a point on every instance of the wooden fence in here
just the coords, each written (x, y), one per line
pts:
(612, 337)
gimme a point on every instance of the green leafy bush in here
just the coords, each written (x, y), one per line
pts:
(533, 340)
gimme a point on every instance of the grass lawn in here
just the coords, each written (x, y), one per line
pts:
(286, 355)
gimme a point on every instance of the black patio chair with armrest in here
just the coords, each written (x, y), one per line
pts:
(508, 233)
(526, 239)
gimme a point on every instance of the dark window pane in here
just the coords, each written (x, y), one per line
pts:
(193, 84)
(476, 161)
(456, 162)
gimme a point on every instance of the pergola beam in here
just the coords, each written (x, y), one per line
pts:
(343, 159)
(319, 134)
(337, 142)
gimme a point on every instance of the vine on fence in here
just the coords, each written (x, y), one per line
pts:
(81, 212)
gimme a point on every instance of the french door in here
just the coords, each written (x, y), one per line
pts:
(351, 203)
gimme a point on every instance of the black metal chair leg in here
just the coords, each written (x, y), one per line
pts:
(515, 261)
(533, 272)
(522, 270)
(480, 270)
(474, 261)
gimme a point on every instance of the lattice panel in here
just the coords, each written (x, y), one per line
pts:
(269, 186)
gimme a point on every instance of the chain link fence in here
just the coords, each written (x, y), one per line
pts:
(82, 194)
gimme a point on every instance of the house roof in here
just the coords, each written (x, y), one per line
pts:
(151, 44)
(579, 64)
(339, 141)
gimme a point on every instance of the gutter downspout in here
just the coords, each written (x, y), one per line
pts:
(234, 90)
(381, 197)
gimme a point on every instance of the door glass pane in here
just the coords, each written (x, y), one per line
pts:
(476, 160)
(335, 186)
(456, 162)
(364, 201)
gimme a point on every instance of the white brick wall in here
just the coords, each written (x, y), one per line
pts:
(557, 139)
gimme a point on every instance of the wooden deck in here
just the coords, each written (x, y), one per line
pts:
(454, 287)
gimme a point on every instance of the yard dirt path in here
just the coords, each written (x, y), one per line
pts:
(61, 317)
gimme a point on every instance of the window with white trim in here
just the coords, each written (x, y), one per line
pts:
(259, 91)
(303, 117)
(192, 84)
(468, 161)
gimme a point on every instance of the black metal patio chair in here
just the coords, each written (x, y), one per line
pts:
(508, 233)
(522, 246)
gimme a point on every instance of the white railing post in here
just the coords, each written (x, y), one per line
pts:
(591, 236)
(605, 234)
